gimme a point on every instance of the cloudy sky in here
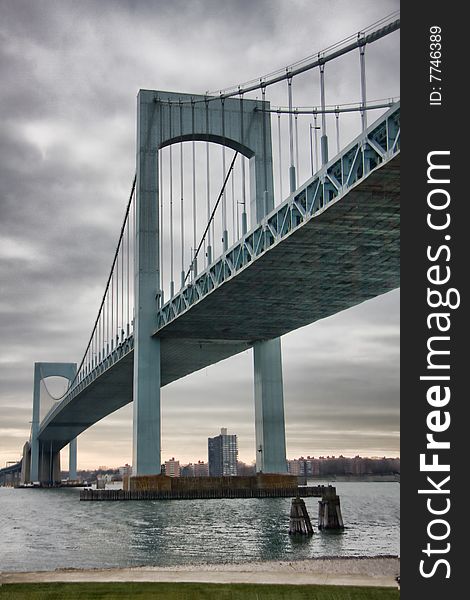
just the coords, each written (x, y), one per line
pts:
(70, 72)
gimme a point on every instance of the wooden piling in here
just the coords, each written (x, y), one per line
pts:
(299, 523)
(329, 510)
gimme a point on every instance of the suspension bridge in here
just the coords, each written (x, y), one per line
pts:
(214, 258)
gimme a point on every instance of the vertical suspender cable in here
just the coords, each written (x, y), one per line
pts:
(280, 154)
(182, 194)
(122, 289)
(238, 216)
(337, 129)
(224, 198)
(315, 126)
(103, 309)
(324, 138)
(265, 166)
(242, 132)
(311, 147)
(107, 322)
(93, 351)
(244, 213)
(209, 245)
(161, 220)
(101, 333)
(296, 143)
(216, 205)
(112, 312)
(134, 250)
(362, 50)
(194, 192)
(116, 337)
(292, 181)
(128, 276)
(234, 228)
(172, 281)
(117, 268)
(96, 345)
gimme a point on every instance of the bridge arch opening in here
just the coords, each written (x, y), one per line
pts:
(197, 220)
(53, 388)
(215, 139)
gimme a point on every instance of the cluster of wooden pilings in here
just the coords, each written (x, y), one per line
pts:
(329, 510)
(329, 514)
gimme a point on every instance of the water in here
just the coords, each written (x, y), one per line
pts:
(49, 529)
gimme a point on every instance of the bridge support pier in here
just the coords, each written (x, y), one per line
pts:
(42, 370)
(146, 409)
(26, 464)
(269, 408)
(34, 470)
(49, 464)
(73, 459)
(146, 390)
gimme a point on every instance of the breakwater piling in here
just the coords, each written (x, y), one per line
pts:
(329, 510)
(197, 494)
(299, 522)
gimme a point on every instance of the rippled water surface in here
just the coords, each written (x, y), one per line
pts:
(47, 529)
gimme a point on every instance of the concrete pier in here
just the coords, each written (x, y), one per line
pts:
(49, 465)
(269, 408)
(73, 459)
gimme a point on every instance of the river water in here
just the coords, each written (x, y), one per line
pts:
(49, 529)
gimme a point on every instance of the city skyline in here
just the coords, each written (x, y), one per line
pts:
(68, 155)
(204, 464)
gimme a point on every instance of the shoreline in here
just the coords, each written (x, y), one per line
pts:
(356, 571)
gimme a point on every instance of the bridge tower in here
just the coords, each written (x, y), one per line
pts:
(165, 118)
(45, 462)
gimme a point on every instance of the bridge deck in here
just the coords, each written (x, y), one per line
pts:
(343, 255)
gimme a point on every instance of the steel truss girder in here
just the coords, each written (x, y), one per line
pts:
(377, 145)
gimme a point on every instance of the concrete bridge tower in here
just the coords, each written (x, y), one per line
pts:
(41, 462)
(165, 118)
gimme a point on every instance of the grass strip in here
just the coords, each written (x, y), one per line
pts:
(191, 591)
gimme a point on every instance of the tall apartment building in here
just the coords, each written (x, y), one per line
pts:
(125, 471)
(172, 467)
(223, 453)
(201, 469)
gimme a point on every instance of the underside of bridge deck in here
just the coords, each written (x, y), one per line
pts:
(341, 257)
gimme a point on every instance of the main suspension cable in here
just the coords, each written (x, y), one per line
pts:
(103, 300)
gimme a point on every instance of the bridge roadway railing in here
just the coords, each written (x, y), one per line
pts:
(379, 143)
